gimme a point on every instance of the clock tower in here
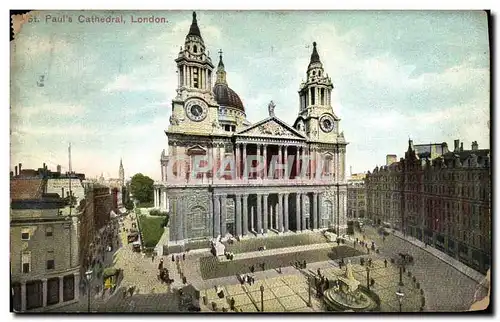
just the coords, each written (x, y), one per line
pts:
(316, 117)
(194, 109)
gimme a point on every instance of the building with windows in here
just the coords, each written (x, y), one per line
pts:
(252, 198)
(442, 198)
(356, 196)
(44, 261)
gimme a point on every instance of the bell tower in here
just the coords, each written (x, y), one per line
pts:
(316, 118)
(194, 109)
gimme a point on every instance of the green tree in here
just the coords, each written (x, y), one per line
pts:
(141, 187)
(129, 205)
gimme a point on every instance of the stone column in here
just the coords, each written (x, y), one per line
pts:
(266, 206)
(280, 212)
(271, 224)
(315, 210)
(297, 211)
(297, 163)
(238, 215)
(238, 161)
(286, 162)
(154, 197)
(265, 161)
(277, 216)
(320, 209)
(302, 153)
(280, 160)
(61, 289)
(223, 215)
(44, 291)
(245, 214)
(217, 215)
(211, 212)
(245, 170)
(259, 213)
(259, 174)
(285, 212)
(180, 212)
(303, 206)
(252, 218)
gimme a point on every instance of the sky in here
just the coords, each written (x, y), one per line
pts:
(108, 88)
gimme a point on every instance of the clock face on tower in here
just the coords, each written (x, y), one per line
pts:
(326, 123)
(196, 110)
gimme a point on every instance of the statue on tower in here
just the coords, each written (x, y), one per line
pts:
(270, 108)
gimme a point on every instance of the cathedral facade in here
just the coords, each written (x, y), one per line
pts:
(223, 175)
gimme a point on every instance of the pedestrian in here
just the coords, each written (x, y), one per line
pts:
(160, 266)
(173, 258)
(305, 264)
(153, 258)
(184, 256)
(319, 272)
(385, 262)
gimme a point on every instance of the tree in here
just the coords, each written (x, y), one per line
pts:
(141, 187)
(129, 205)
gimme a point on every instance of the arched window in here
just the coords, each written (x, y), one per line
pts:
(195, 49)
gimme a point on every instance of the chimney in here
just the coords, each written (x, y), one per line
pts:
(20, 165)
(11, 174)
(62, 192)
(15, 169)
(58, 168)
(457, 144)
(475, 146)
(461, 147)
(44, 165)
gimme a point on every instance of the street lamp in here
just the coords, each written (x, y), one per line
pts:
(262, 298)
(310, 290)
(368, 277)
(400, 296)
(401, 275)
(88, 276)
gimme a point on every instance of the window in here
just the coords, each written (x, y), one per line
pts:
(195, 78)
(50, 260)
(48, 231)
(25, 234)
(26, 262)
(195, 49)
(313, 96)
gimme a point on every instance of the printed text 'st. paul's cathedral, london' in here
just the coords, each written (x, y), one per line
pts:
(208, 119)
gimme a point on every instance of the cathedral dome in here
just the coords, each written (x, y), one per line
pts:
(225, 96)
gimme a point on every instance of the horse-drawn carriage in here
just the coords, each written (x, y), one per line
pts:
(164, 276)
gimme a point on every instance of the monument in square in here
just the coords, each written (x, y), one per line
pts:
(347, 293)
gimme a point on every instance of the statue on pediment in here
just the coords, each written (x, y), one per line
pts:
(270, 108)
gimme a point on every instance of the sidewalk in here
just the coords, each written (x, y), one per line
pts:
(277, 251)
(466, 270)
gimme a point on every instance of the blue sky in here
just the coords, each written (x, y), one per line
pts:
(108, 88)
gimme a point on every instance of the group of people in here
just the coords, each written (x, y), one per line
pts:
(300, 265)
(246, 279)
(229, 255)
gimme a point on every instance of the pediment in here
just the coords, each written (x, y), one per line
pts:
(272, 127)
(197, 149)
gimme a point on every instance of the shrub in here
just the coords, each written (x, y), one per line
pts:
(151, 230)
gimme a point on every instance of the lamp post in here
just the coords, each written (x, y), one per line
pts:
(310, 290)
(88, 276)
(262, 298)
(368, 277)
(401, 275)
(400, 296)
